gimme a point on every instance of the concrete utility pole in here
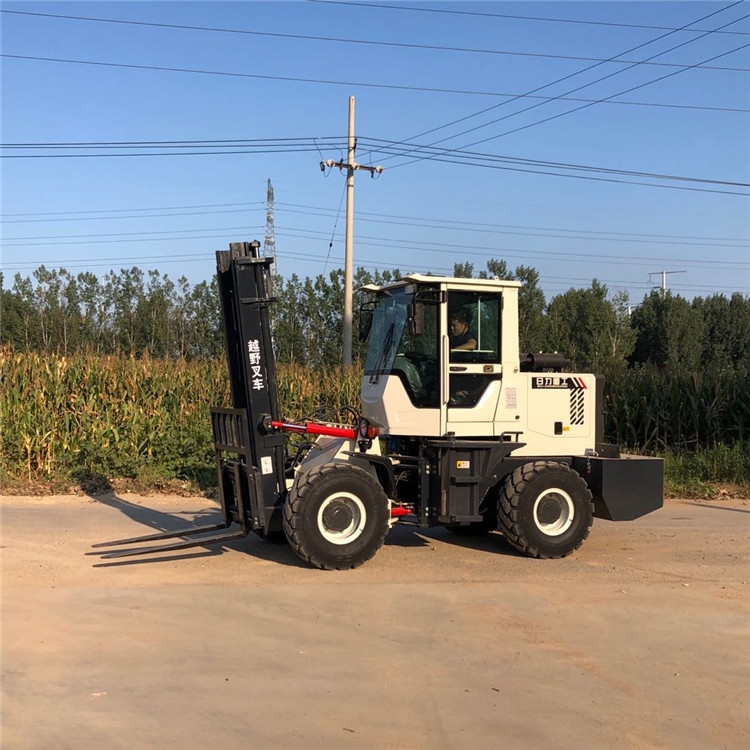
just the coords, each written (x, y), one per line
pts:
(663, 279)
(351, 166)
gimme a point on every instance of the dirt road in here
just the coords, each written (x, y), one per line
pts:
(640, 640)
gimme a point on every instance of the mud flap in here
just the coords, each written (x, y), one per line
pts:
(624, 488)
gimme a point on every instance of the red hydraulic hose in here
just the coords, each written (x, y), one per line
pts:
(398, 511)
(313, 428)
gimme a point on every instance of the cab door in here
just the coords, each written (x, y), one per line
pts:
(473, 377)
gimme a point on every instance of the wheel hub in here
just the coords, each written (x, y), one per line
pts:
(337, 516)
(554, 511)
(342, 518)
(549, 510)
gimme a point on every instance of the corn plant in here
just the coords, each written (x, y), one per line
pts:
(123, 416)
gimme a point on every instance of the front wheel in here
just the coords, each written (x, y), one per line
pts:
(545, 509)
(336, 516)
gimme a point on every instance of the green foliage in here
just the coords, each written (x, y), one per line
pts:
(307, 317)
(590, 330)
(126, 311)
(691, 472)
(652, 410)
(125, 417)
(112, 415)
(115, 376)
(670, 333)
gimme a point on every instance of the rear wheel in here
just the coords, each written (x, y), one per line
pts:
(545, 509)
(336, 516)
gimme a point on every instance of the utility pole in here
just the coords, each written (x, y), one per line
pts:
(351, 167)
(269, 243)
(663, 279)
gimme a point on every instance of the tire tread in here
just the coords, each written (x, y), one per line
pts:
(509, 515)
(292, 520)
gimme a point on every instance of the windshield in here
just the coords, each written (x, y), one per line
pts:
(388, 323)
(395, 347)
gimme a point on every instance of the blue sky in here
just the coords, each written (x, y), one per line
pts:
(412, 67)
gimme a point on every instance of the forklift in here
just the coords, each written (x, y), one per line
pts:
(453, 430)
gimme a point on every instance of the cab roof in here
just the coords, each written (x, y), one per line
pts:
(449, 281)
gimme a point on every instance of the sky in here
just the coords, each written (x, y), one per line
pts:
(588, 140)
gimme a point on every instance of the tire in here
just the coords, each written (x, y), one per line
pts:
(545, 509)
(336, 516)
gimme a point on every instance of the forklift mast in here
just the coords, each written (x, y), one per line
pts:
(245, 292)
(249, 452)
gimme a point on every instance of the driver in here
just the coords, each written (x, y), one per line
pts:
(461, 335)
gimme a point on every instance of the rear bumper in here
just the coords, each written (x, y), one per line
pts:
(624, 488)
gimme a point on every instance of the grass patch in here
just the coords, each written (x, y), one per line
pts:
(708, 472)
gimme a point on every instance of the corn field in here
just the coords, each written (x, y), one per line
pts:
(651, 411)
(120, 416)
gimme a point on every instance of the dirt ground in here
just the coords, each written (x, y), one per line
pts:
(639, 640)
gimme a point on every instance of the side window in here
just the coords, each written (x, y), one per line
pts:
(474, 327)
(416, 361)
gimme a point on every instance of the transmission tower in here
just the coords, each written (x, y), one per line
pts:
(269, 244)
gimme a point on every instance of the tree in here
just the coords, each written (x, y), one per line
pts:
(497, 269)
(205, 334)
(23, 289)
(532, 323)
(288, 321)
(669, 333)
(463, 270)
(584, 325)
(154, 312)
(15, 314)
(123, 291)
(739, 335)
(93, 312)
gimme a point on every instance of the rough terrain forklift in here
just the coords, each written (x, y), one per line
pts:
(472, 437)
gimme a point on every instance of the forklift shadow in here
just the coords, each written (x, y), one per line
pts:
(412, 536)
(156, 520)
(160, 522)
(493, 542)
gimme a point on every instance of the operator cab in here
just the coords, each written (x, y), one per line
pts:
(438, 351)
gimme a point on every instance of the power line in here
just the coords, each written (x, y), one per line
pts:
(341, 40)
(280, 150)
(522, 161)
(208, 142)
(86, 217)
(447, 248)
(126, 210)
(396, 219)
(583, 177)
(492, 252)
(466, 158)
(388, 146)
(378, 243)
(579, 88)
(362, 84)
(514, 16)
(585, 106)
(483, 163)
(30, 241)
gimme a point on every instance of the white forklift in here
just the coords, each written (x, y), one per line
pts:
(456, 430)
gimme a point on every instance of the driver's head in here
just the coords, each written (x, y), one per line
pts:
(460, 319)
